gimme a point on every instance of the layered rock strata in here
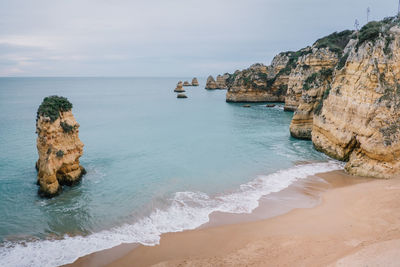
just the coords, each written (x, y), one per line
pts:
(359, 121)
(58, 145)
(256, 84)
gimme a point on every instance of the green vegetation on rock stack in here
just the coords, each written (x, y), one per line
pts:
(52, 106)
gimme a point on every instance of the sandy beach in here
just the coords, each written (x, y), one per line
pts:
(338, 221)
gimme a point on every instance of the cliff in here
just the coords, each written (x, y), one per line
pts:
(58, 145)
(283, 80)
(345, 92)
(310, 79)
(359, 120)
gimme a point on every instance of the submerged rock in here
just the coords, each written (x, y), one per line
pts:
(195, 82)
(246, 106)
(181, 96)
(270, 105)
(58, 145)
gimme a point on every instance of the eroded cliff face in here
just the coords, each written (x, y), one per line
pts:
(259, 83)
(359, 120)
(59, 146)
(311, 61)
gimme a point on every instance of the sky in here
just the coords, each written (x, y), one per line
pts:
(165, 37)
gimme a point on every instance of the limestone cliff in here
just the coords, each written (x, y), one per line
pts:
(259, 83)
(58, 145)
(359, 121)
(311, 78)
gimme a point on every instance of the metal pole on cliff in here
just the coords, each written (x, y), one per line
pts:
(357, 24)
(398, 10)
(368, 11)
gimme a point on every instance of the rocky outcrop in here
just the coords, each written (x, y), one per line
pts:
(181, 96)
(359, 121)
(186, 83)
(179, 88)
(211, 84)
(312, 95)
(58, 145)
(311, 78)
(260, 83)
(256, 84)
(220, 83)
(195, 82)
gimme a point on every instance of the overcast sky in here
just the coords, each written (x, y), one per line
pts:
(165, 37)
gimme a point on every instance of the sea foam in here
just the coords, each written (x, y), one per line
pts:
(188, 210)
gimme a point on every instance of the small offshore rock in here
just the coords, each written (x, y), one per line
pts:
(195, 82)
(270, 105)
(181, 96)
(179, 88)
(246, 106)
(186, 83)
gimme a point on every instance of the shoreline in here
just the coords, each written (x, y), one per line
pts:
(303, 194)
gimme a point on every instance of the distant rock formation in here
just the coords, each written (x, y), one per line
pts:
(220, 83)
(58, 145)
(195, 82)
(181, 96)
(186, 83)
(179, 88)
(258, 83)
(211, 84)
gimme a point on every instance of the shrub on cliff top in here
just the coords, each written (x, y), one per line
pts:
(52, 106)
(369, 32)
(336, 41)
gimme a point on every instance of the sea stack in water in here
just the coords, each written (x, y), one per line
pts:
(186, 83)
(179, 88)
(195, 82)
(211, 84)
(59, 146)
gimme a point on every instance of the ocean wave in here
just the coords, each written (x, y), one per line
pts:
(188, 210)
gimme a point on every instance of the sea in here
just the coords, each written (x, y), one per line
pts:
(155, 164)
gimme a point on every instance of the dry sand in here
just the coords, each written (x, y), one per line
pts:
(354, 222)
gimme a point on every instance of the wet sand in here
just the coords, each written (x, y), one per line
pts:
(329, 219)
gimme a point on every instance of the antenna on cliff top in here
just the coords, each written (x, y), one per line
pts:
(368, 12)
(398, 11)
(357, 24)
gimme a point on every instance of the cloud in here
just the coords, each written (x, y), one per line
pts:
(163, 38)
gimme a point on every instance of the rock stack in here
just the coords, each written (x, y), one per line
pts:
(211, 84)
(186, 83)
(58, 145)
(195, 82)
(179, 88)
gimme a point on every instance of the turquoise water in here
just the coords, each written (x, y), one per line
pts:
(155, 164)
